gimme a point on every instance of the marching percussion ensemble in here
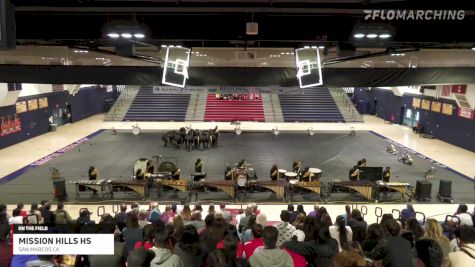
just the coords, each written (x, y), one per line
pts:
(239, 181)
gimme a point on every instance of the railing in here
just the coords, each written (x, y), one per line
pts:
(120, 101)
(355, 116)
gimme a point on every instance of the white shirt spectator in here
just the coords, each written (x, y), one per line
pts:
(15, 220)
(335, 234)
(465, 219)
(286, 231)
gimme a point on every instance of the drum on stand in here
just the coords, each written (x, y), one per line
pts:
(241, 181)
(282, 173)
(317, 173)
(251, 173)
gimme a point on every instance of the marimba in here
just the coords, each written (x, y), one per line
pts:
(180, 185)
(138, 186)
(102, 186)
(404, 188)
(313, 186)
(363, 187)
(227, 186)
(275, 186)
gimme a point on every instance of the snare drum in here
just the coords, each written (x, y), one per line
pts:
(290, 176)
(251, 173)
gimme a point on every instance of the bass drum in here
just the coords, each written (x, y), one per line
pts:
(241, 181)
(136, 130)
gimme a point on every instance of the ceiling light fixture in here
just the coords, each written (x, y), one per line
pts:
(306, 46)
(139, 35)
(473, 48)
(359, 35)
(126, 35)
(321, 46)
(113, 35)
(371, 35)
(384, 35)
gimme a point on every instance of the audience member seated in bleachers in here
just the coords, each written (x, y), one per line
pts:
(34, 217)
(434, 231)
(143, 218)
(408, 213)
(358, 226)
(463, 217)
(297, 259)
(16, 217)
(121, 216)
(293, 213)
(19, 208)
(231, 230)
(227, 255)
(272, 255)
(42, 208)
(314, 212)
(373, 235)
(351, 255)
(256, 243)
(115, 260)
(186, 213)
(284, 228)
(6, 249)
(323, 219)
(61, 216)
(413, 231)
(429, 253)
(244, 221)
(47, 214)
(196, 220)
(340, 232)
(148, 233)
(347, 214)
(154, 213)
(299, 221)
(188, 248)
(393, 250)
(163, 249)
(131, 233)
(466, 255)
(309, 226)
(300, 210)
(179, 225)
(386, 216)
(247, 235)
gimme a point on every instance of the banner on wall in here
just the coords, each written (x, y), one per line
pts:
(425, 104)
(43, 102)
(446, 90)
(459, 89)
(436, 106)
(10, 124)
(21, 107)
(447, 109)
(33, 104)
(416, 102)
(465, 113)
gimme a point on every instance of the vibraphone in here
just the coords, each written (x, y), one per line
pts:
(102, 186)
(363, 187)
(404, 188)
(138, 186)
(275, 186)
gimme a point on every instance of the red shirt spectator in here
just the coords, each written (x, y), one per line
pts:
(147, 245)
(253, 245)
(299, 260)
(240, 249)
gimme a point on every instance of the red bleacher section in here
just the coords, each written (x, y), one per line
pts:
(234, 110)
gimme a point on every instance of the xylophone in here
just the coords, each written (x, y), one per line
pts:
(363, 187)
(180, 185)
(404, 188)
(138, 186)
(275, 186)
(102, 186)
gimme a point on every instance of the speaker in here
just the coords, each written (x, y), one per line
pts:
(445, 188)
(7, 25)
(423, 190)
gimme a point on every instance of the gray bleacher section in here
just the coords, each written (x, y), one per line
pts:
(150, 106)
(309, 105)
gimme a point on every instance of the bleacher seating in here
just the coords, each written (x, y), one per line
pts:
(233, 110)
(148, 106)
(310, 105)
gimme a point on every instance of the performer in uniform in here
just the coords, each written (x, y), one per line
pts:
(242, 164)
(150, 168)
(274, 172)
(297, 166)
(93, 173)
(199, 166)
(139, 174)
(354, 173)
(362, 163)
(228, 173)
(306, 175)
(387, 174)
